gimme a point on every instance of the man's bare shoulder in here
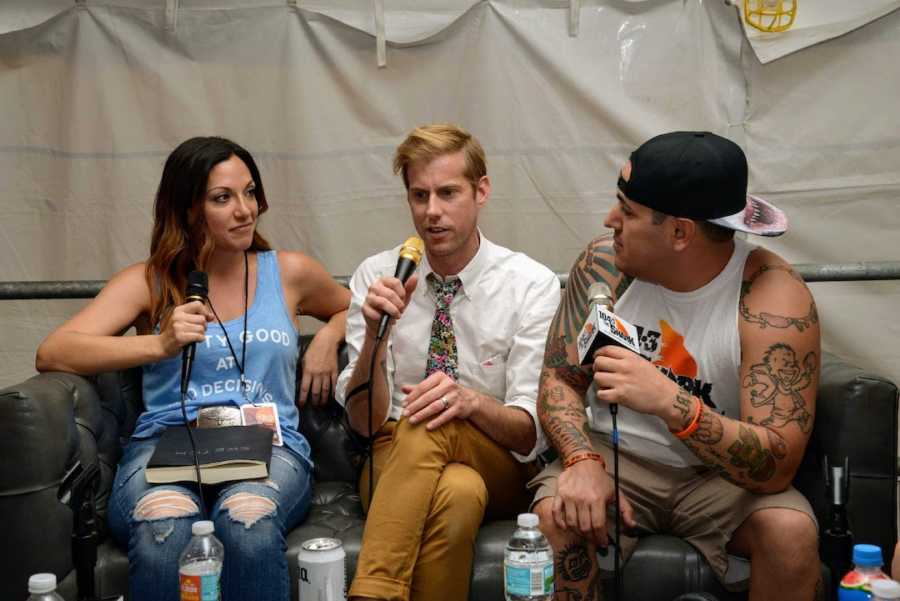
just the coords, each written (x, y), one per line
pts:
(774, 295)
(597, 263)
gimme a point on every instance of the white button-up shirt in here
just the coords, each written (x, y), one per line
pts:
(501, 316)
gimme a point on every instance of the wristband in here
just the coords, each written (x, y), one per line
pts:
(695, 423)
(573, 459)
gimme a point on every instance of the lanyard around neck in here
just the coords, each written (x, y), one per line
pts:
(243, 362)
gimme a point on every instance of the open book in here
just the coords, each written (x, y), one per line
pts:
(229, 453)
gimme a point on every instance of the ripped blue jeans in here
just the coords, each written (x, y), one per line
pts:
(252, 529)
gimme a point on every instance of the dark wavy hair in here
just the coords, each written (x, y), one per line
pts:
(180, 242)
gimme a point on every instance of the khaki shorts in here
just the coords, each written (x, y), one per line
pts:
(692, 503)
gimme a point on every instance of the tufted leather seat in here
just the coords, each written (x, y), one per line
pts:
(52, 421)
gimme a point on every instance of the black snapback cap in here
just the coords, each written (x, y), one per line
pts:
(702, 176)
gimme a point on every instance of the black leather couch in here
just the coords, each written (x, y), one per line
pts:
(52, 422)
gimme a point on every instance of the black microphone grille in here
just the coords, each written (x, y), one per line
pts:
(197, 284)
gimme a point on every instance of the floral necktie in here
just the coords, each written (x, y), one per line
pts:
(442, 347)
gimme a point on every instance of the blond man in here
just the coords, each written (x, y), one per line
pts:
(454, 389)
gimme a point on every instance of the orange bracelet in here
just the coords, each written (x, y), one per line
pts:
(570, 461)
(695, 423)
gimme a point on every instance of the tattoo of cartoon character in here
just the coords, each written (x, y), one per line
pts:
(778, 381)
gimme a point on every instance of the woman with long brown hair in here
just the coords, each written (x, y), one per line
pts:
(207, 208)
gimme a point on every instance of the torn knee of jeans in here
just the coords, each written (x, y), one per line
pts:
(162, 504)
(248, 508)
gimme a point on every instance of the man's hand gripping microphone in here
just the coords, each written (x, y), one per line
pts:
(410, 255)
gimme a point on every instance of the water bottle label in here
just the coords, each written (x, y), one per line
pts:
(199, 588)
(529, 580)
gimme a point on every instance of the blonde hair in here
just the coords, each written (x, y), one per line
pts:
(428, 142)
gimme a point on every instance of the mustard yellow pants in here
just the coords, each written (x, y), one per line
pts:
(433, 489)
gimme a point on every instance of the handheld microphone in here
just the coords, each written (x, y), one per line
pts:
(410, 255)
(602, 327)
(197, 290)
(600, 294)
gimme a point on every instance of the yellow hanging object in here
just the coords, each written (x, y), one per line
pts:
(770, 15)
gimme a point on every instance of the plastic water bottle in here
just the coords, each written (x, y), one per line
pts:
(200, 565)
(43, 588)
(528, 563)
(857, 584)
(885, 590)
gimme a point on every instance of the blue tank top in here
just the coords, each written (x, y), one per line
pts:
(272, 353)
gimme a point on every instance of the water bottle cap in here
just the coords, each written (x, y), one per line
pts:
(885, 589)
(42, 583)
(528, 520)
(867, 555)
(202, 527)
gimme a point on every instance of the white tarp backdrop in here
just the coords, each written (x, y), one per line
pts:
(94, 94)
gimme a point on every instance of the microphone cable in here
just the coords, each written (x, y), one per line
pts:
(367, 387)
(600, 294)
(617, 568)
(410, 255)
(197, 290)
(193, 443)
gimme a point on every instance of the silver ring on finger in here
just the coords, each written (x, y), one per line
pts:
(445, 402)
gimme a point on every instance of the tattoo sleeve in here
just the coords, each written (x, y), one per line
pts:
(779, 333)
(563, 381)
(750, 453)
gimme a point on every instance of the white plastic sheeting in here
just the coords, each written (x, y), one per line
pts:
(95, 94)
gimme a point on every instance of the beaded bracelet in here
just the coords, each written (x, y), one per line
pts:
(573, 459)
(695, 423)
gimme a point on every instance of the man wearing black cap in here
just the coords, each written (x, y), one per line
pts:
(715, 413)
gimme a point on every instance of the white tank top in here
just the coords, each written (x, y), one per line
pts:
(693, 338)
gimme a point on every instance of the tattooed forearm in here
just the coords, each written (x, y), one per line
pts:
(764, 319)
(575, 377)
(777, 444)
(564, 423)
(738, 455)
(710, 430)
(748, 453)
(686, 406)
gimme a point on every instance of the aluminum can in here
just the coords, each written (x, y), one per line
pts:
(322, 572)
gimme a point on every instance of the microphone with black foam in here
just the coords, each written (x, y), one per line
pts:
(410, 255)
(602, 327)
(197, 290)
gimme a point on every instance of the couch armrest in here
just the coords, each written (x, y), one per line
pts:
(42, 425)
(856, 417)
(338, 453)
